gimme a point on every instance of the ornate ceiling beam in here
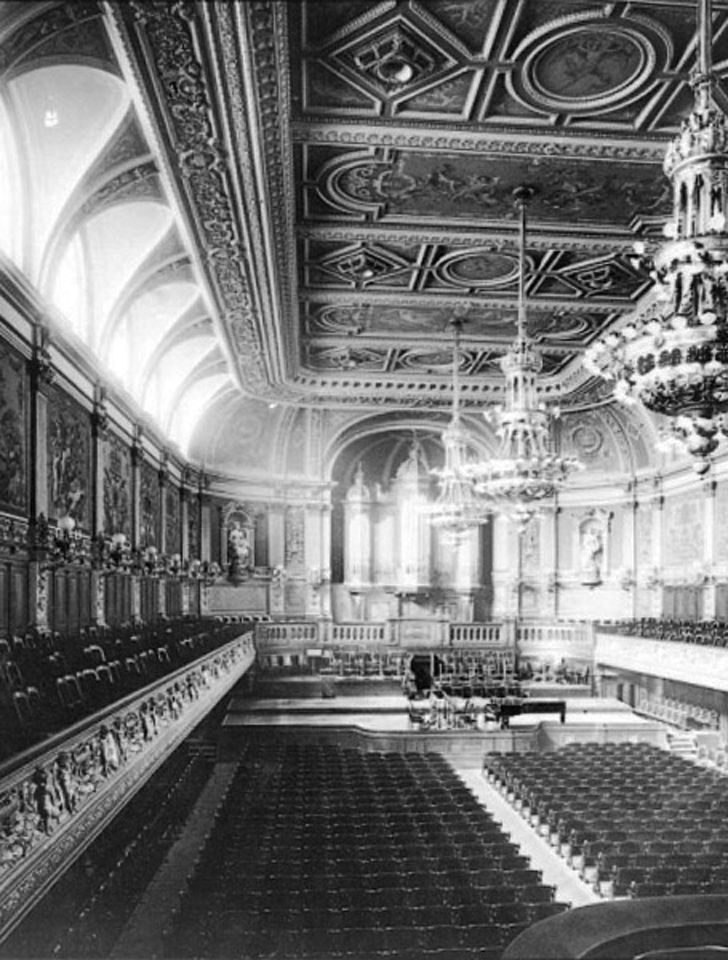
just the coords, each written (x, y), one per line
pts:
(491, 139)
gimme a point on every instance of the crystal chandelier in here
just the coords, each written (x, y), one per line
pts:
(527, 470)
(457, 510)
(673, 355)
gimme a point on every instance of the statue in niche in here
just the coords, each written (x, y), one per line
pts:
(239, 551)
(591, 546)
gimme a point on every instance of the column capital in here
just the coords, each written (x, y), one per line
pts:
(163, 472)
(137, 445)
(40, 364)
(100, 413)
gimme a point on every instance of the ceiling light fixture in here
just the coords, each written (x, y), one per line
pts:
(672, 356)
(457, 511)
(527, 470)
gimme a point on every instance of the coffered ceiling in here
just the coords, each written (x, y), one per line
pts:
(284, 204)
(364, 157)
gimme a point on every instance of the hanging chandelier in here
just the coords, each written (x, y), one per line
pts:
(457, 510)
(527, 470)
(673, 356)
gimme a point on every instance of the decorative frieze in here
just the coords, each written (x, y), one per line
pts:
(58, 801)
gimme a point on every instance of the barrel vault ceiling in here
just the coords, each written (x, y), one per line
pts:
(339, 176)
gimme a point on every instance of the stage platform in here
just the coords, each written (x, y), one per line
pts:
(384, 723)
(316, 684)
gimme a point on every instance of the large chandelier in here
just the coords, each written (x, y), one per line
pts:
(673, 356)
(457, 509)
(527, 469)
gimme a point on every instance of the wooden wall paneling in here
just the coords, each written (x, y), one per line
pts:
(73, 610)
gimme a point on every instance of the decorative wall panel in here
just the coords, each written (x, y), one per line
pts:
(721, 523)
(294, 538)
(193, 528)
(69, 459)
(13, 430)
(684, 533)
(149, 506)
(645, 561)
(117, 487)
(172, 521)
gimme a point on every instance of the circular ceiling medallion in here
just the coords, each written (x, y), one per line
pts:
(478, 268)
(248, 429)
(593, 65)
(587, 440)
(432, 361)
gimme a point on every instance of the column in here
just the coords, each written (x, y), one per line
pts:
(657, 528)
(163, 477)
(312, 554)
(633, 509)
(184, 521)
(41, 376)
(204, 519)
(99, 433)
(325, 554)
(137, 453)
(709, 487)
(276, 558)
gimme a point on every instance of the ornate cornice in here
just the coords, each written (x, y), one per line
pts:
(478, 139)
(491, 236)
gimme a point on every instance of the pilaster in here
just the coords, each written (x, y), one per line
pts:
(137, 455)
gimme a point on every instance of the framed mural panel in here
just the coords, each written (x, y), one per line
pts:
(69, 459)
(14, 430)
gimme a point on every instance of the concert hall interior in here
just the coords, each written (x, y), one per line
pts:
(363, 479)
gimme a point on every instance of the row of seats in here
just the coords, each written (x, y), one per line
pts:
(327, 852)
(48, 681)
(688, 716)
(711, 633)
(630, 818)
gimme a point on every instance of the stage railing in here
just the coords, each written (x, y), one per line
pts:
(287, 633)
(360, 633)
(480, 634)
(57, 797)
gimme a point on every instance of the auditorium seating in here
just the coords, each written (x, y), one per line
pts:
(709, 633)
(50, 680)
(323, 852)
(633, 819)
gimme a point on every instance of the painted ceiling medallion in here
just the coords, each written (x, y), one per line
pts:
(432, 361)
(347, 358)
(594, 65)
(479, 268)
(394, 59)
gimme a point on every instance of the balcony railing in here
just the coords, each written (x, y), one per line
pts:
(57, 797)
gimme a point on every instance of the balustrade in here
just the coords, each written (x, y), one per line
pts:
(271, 634)
(361, 633)
(480, 634)
(57, 797)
